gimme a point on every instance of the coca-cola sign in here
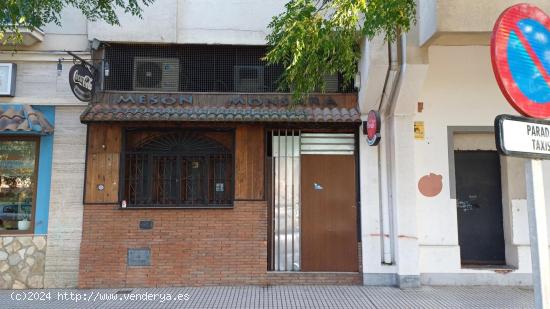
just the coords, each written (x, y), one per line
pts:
(82, 82)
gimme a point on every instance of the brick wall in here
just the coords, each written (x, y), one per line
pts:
(188, 246)
(314, 278)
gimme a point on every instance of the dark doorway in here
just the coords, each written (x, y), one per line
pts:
(329, 212)
(479, 207)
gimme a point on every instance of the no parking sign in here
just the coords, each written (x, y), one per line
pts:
(520, 54)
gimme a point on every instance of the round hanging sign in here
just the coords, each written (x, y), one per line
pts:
(82, 82)
(520, 54)
(371, 128)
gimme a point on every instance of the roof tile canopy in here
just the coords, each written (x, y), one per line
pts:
(23, 118)
(130, 106)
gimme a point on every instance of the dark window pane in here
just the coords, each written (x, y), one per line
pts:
(17, 183)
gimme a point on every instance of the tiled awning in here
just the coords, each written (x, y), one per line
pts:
(23, 118)
(335, 108)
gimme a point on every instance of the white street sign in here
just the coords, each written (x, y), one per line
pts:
(523, 137)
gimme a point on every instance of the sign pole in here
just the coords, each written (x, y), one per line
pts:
(538, 233)
(517, 52)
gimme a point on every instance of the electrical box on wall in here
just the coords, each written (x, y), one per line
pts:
(7, 79)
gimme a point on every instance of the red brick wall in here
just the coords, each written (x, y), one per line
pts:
(188, 246)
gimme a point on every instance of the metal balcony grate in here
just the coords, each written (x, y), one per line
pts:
(178, 169)
(196, 68)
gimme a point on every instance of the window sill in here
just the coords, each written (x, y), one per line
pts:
(149, 207)
(496, 268)
(6, 233)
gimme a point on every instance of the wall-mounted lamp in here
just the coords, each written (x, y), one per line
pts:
(357, 81)
(106, 69)
(95, 44)
(59, 66)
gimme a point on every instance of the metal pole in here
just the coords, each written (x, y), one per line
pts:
(279, 200)
(292, 198)
(286, 200)
(538, 233)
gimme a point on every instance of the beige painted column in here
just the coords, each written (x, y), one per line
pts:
(403, 177)
(65, 217)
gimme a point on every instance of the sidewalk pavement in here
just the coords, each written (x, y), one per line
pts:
(273, 297)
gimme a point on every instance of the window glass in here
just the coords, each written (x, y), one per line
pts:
(178, 168)
(17, 182)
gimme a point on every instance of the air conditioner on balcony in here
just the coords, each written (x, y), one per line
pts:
(331, 83)
(248, 78)
(156, 74)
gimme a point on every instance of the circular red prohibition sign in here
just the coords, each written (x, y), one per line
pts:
(520, 54)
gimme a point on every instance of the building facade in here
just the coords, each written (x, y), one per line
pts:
(45, 253)
(450, 209)
(189, 166)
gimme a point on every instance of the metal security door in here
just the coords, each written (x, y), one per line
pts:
(285, 201)
(479, 207)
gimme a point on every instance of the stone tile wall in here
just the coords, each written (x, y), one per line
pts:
(22, 260)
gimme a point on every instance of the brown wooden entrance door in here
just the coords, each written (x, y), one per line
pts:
(329, 213)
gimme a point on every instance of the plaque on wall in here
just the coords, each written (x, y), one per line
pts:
(139, 257)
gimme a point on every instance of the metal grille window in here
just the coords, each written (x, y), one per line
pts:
(196, 68)
(178, 169)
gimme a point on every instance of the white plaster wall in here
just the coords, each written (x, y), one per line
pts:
(194, 21)
(71, 35)
(460, 90)
(475, 15)
(37, 81)
(426, 19)
(72, 23)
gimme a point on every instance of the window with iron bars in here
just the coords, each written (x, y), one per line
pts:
(169, 168)
(196, 68)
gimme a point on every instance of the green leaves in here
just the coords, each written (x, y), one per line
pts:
(33, 14)
(390, 17)
(314, 38)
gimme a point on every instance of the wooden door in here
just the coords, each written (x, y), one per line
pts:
(329, 213)
(479, 207)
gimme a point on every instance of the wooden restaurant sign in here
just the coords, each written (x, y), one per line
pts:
(345, 100)
(222, 107)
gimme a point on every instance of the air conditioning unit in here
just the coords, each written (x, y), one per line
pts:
(248, 78)
(156, 74)
(331, 83)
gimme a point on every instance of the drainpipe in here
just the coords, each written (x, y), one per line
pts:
(397, 58)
